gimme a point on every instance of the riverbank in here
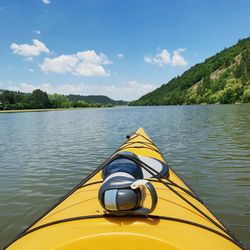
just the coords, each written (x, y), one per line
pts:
(39, 110)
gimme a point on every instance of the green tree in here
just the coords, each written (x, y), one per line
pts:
(246, 94)
(59, 101)
(39, 100)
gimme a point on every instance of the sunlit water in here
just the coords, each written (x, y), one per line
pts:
(43, 155)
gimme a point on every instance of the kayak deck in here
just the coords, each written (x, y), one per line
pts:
(179, 221)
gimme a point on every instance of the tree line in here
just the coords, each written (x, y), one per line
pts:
(38, 99)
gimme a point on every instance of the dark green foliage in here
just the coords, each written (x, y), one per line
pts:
(101, 99)
(243, 69)
(59, 101)
(38, 99)
(14, 100)
(246, 94)
(230, 69)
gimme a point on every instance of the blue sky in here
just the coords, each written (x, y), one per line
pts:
(122, 49)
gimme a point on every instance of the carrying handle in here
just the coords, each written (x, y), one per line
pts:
(144, 183)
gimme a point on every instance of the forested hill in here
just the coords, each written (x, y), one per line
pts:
(95, 99)
(223, 78)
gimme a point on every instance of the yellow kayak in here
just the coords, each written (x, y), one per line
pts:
(134, 200)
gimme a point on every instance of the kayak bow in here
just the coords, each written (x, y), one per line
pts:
(163, 212)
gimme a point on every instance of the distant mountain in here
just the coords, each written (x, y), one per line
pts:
(223, 78)
(104, 100)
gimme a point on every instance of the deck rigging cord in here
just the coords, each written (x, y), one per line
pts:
(150, 145)
(133, 216)
(155, 174)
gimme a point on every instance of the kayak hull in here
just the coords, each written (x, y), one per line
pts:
(79, 220)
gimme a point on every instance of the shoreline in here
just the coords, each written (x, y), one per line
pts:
(39, 110)
(70, 109)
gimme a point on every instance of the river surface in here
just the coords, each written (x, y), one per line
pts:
(44, 154)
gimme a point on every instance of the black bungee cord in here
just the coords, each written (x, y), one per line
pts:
(155, 174)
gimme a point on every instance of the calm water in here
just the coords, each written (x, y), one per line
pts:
(43, 155)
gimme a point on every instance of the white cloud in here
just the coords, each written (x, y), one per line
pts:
(126, 91)
(38, 32)
(46, 1)
(23, 87)
(160, 59)
(120, 55)
(29, 50)
(148, 59)
(177, 59)
(51, 89)
(83, 63)
(164, 58)
(31, 70)
(60, 64)
(28, 59)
